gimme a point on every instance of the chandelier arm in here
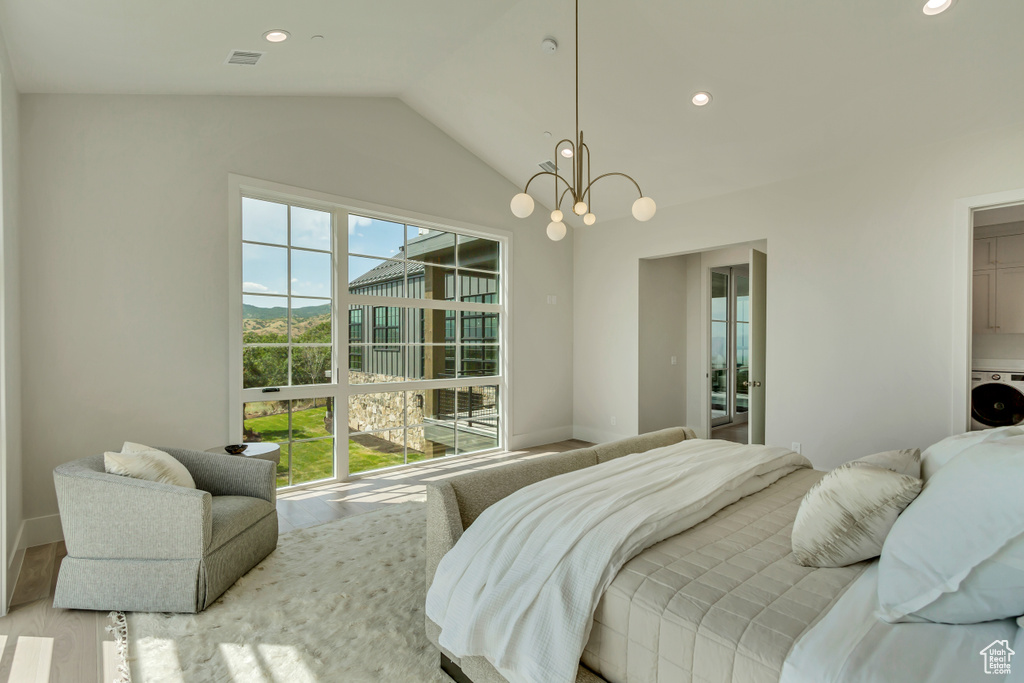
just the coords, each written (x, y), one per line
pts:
(605, 175)
(557, 177)
(574, 180)
(563, 196)
(586, 194)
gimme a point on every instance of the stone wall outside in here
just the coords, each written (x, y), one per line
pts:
(371, 412)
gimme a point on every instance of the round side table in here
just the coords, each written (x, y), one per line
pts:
(263, 451)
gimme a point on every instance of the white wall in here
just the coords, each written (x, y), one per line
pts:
(989, 347)
(696, 346)
(860, 295)
(10, 346)
(662, 335)
(124, 289)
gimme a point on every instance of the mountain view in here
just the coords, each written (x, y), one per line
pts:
(269, 325)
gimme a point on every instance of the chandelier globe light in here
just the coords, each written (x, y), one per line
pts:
(556, 230)
(579, 188)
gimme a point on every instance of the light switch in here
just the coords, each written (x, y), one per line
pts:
(675, 361)
(552, 299)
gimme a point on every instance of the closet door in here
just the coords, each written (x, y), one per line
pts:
(1009, 251)
(983, 300)
(985, 253)
(1010, 300)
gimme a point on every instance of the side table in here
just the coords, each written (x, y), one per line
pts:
(263, 451)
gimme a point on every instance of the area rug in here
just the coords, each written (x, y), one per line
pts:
(338, 602)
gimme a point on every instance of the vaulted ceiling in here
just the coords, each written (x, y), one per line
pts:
(798, 85)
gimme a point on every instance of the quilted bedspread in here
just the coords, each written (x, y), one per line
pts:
(522, 583)
(722, 602)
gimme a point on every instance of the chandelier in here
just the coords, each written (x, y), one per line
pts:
(578, 190)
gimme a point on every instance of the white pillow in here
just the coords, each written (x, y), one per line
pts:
(845, 517)
(956, 555)
(906, 461)
(937, 455)
(143, 462)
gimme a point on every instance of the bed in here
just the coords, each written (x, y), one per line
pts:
(722, 600)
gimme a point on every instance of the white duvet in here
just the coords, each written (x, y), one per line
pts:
(521, 585)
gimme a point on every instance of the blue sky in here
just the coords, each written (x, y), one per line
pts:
(265, 268)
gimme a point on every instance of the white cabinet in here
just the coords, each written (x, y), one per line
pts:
(985, 253)
(984, 302)
(1009, 251)
(1009, 300)
(997, 297)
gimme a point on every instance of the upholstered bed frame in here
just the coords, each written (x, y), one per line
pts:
(454, 504)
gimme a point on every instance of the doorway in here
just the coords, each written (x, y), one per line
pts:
(997, 317)
(676, 296)
(730, 352)
(975, 348)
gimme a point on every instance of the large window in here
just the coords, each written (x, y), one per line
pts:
(421, 374)
(434, 299)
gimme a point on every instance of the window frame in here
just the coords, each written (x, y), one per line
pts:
(339, 388)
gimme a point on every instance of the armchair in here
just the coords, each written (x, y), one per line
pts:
(140, 546)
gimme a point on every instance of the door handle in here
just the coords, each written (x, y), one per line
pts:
(752, 383)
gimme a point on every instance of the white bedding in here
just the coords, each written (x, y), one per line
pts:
(521, 585)
(851, 645)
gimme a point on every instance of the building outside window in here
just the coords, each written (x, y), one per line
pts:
(449, 284)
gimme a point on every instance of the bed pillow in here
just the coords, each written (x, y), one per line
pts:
(956, 555)
(937, 455)
(143, 462)
(906, 461)
(845, 517)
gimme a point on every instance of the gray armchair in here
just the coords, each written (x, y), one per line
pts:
(139, 546)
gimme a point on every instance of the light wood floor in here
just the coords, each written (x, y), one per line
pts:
(736, 433)
(42, 644)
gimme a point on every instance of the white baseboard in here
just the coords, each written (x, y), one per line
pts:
(14, 567)
(16, 546)
(596, 435)
(40, 531)
(540, 438)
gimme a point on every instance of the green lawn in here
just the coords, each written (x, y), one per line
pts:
(313, 460)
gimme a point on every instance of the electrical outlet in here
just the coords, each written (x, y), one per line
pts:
(796, 447)
(613, 420)
(553, 300)
(675, 361)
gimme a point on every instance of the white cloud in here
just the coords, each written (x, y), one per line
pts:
(358, 222)
(254, 287)
(295, 279)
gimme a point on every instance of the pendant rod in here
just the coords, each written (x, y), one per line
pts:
(579, 136)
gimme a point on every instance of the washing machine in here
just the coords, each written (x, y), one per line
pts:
(997, 398)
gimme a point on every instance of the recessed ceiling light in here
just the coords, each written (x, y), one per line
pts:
(276, 36)
(567, 152)
(937, 6)
(701, 98)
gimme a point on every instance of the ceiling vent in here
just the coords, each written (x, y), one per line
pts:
(244, 57)
(548, 166)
